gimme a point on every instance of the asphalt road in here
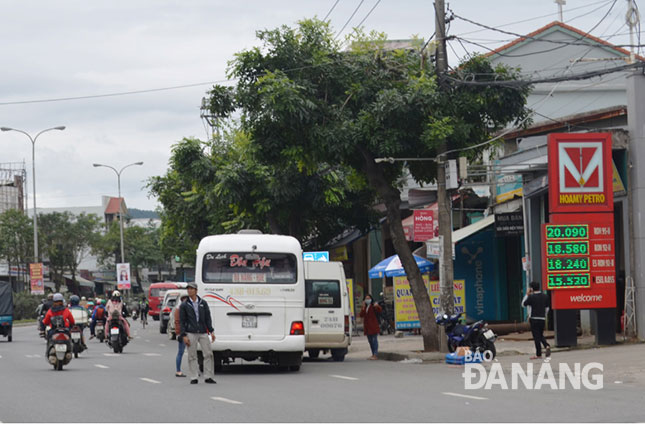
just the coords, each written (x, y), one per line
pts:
(139, 386)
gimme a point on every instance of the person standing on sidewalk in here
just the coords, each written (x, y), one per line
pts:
(538, 304)
(181, 345)
(196, 326)
(369, 313)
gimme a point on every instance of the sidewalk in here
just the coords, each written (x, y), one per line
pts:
(410, 347)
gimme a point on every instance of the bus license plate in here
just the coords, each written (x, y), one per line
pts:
(249, 321)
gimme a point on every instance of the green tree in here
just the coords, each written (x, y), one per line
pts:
(141, 245)
(304, 101)
(221, 187)
(53, 230)
(16, 238)
(65, 241)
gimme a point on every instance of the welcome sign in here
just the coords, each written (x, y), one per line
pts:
(580, 173)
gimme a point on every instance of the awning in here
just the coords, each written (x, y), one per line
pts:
(80, 280)
(434, 248)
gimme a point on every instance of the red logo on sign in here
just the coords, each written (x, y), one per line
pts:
(580, 178)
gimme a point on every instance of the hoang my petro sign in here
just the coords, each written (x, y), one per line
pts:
(580, 173)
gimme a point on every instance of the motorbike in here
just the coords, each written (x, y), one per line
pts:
(477, 336)
(77, 340)
(135, 314)
(385, 318)
(59, 344)
(99, 331)
(117, 338)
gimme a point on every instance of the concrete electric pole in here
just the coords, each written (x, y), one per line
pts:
(444, 205)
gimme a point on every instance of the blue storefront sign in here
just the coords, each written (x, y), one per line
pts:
(316, 256)
(475, 261)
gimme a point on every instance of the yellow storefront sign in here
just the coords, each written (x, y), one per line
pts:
(405, 311)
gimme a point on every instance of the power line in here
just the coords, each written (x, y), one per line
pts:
(368, 14)
(605, 2)
(122, 93)
(330, 10)
(350, 18)
(527, 37)
(575, 77)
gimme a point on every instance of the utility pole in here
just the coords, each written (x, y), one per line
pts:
(632, 18)
(443, 203)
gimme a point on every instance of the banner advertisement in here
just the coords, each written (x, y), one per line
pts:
(350, 292)
(123, 276)
(36, 276)
(405, 311)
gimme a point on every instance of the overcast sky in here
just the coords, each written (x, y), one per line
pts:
(62, 49)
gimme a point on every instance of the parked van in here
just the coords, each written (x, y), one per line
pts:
(171, 298)
(327, 314)
(255, 287)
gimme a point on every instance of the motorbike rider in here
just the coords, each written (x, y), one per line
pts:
(99, 315)
(74, 303)
(58, 308)
(116, 304)
(47, 304)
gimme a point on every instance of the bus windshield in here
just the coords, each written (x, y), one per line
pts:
(251, 268)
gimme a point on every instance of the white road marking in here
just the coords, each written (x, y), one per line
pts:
(101, 366)
(148, 341)
(161, 344)
(464, 396)
(152, 354)
(618, 382)
(111, 354)
(149, 380)
(32, 356)
(221, 399)
(343, 377)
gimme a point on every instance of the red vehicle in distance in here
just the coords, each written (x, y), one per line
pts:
(156, 293)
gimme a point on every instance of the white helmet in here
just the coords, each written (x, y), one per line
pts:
(58, 297)
(116, 293)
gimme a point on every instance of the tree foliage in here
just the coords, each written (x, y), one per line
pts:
(304, 102)
(65, 240)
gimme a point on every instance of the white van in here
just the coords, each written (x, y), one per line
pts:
(166, 321)
(327, 314)
(254, 285)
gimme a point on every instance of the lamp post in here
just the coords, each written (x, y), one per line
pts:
(118, 176)
(33, 172)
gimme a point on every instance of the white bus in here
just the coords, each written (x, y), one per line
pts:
(254, 285)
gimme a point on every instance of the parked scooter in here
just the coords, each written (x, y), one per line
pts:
(478, 337)
(386, 317)
(117, 338)
(99, 331)
(59, 344)
(77, 341)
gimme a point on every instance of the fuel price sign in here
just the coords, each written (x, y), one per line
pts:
(567, 256)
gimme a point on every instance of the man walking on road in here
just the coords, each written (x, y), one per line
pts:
(196, 326)
(539, 307)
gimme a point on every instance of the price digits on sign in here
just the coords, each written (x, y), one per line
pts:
(554, 232)
(557, 281)
(568, 264)
(562, 248)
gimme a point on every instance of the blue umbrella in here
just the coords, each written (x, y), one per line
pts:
(392, 267)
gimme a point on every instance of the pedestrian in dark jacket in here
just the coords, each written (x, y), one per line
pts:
(369, 313)
(538, 304)
(196, 326)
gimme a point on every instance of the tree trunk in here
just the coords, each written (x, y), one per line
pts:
(392, 199)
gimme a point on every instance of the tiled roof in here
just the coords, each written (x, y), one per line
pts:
(113, 206)
(583, 34)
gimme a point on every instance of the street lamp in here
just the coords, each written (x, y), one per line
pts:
(118, 176)
(33, 171)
